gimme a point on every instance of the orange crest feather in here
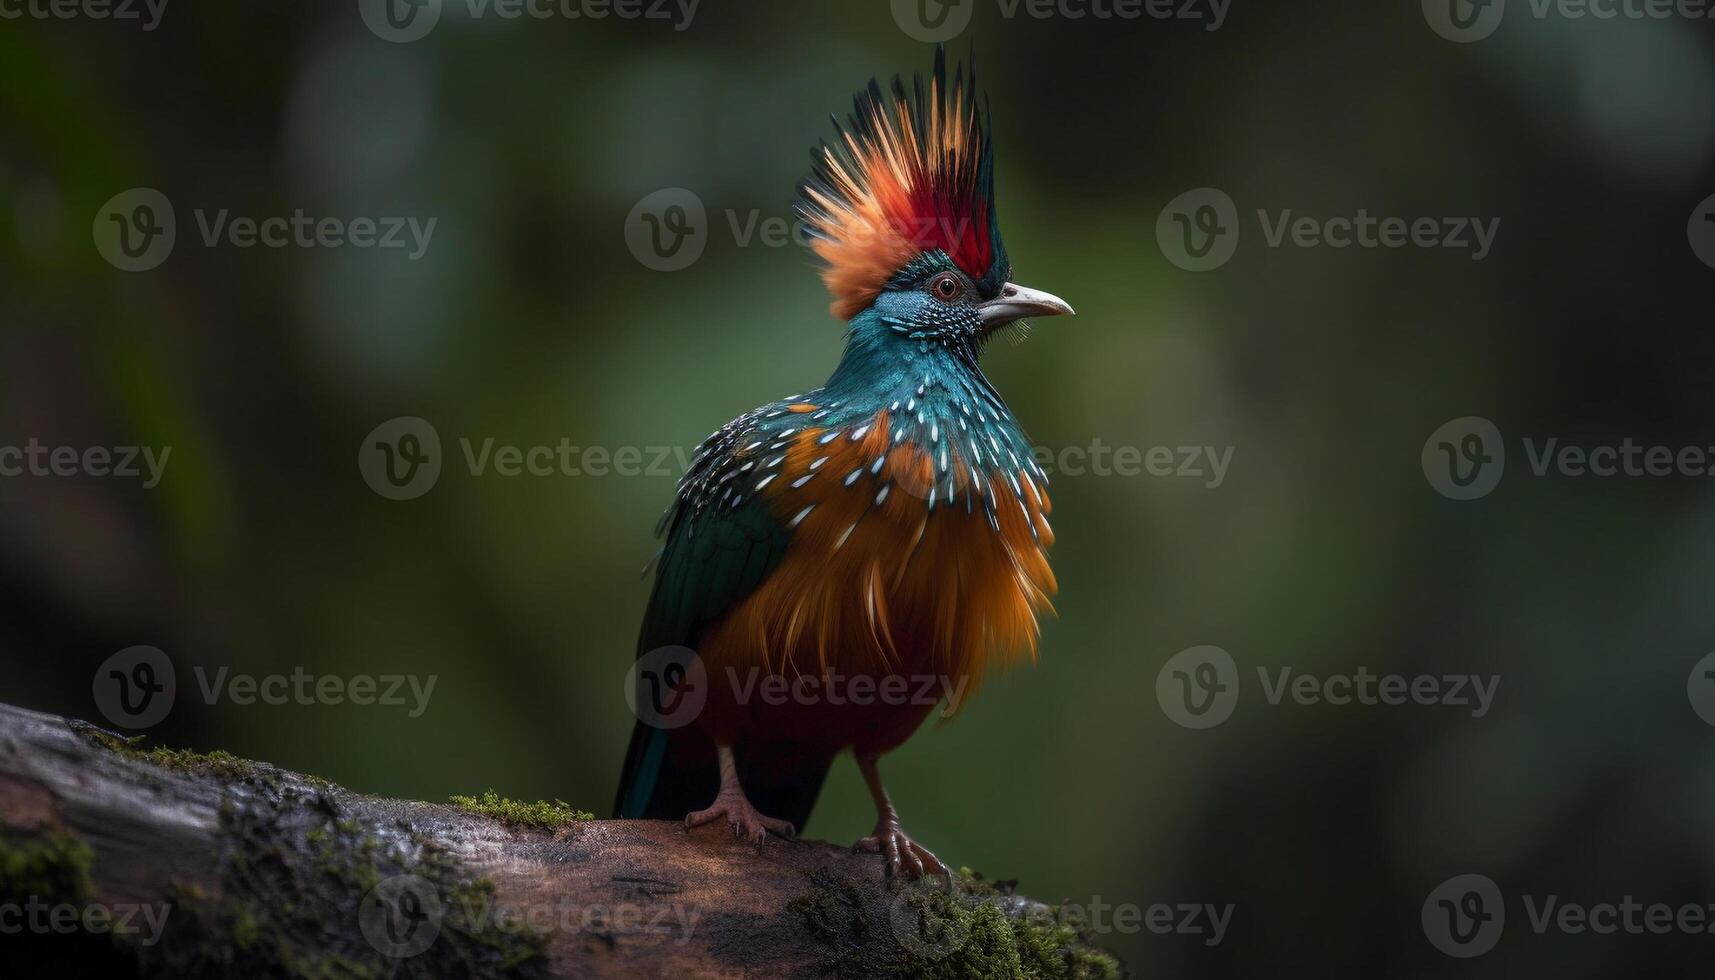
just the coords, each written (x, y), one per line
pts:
(908, 175)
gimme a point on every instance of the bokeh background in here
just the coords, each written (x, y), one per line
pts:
(529, 320)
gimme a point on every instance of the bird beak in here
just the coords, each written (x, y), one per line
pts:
(1016, 302)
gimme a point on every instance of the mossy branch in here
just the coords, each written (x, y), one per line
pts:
(124, 860)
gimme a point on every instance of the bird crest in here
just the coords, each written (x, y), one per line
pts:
(907, 175)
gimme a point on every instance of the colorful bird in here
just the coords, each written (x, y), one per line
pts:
(891, 524)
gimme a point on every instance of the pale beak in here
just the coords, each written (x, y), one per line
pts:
(1016, 302)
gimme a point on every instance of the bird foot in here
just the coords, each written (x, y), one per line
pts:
(901, 853)
(747, 823)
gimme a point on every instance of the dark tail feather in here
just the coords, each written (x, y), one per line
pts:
(670, 773)
(667, 774)
(790, 795)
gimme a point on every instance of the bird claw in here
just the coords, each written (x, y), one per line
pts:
(747, 823)
(901, 854)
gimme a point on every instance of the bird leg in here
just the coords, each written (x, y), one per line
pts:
(900, 852)
(731, 803)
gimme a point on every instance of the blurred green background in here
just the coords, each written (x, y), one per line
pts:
(529, 320)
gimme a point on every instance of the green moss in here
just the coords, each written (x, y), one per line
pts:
(972, 930)
(291, 893)
(54, 867)
(216, 763)
(541, 815)
(300, 861)
(245, 931)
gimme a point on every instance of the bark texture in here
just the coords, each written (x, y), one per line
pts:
(118, 860)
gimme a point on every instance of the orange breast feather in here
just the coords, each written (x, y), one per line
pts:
(876, 581)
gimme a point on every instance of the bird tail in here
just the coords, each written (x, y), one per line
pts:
(788, 793)
(665, 774)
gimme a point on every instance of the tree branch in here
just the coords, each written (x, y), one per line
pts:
(162, 863)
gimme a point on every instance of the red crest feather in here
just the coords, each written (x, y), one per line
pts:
(907, 175)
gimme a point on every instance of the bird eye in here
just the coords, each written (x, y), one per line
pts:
(946, 287)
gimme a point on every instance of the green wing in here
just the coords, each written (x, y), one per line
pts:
(722, 541)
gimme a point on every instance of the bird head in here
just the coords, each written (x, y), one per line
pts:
(900, 208)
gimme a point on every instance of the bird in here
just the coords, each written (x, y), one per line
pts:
(891, 523)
